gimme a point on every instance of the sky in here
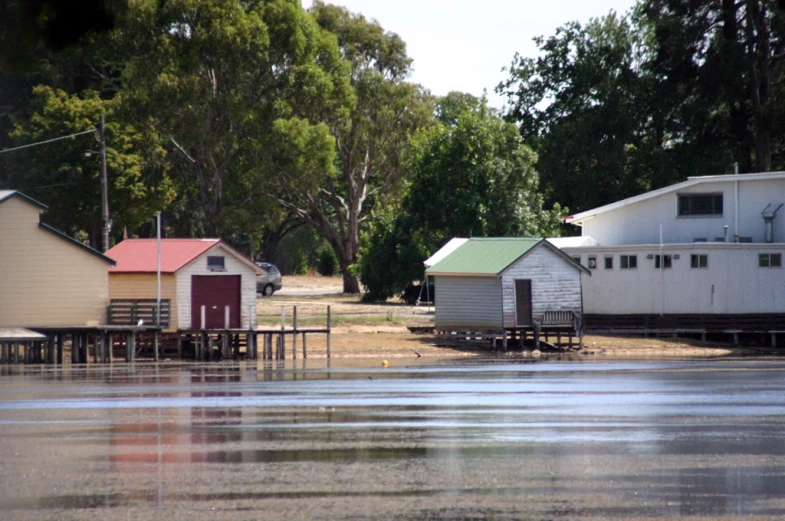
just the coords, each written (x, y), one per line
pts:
(462, 45)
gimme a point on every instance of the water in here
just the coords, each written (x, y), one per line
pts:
(468, 439)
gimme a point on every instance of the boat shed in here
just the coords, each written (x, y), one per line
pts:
(507, 284)
(48, 278)
(205, 284)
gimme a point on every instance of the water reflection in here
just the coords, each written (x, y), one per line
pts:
(461, 439)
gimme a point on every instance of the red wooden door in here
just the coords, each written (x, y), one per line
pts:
(215, 292)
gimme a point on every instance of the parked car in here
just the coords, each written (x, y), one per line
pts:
(269, 281)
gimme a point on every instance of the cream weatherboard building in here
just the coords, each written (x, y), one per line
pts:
(47, 279)
(702, 254)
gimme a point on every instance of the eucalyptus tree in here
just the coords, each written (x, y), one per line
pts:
(721, 62)
(589, 109)
(234, 86)
(370, 138)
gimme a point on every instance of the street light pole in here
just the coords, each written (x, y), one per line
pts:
(106, 224)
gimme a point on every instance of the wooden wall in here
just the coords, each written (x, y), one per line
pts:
(145, 285)
(556, 284)
(44, 279)
(468, 302)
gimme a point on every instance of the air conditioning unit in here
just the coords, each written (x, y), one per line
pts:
(593, 263)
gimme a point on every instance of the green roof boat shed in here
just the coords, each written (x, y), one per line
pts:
(507, 283)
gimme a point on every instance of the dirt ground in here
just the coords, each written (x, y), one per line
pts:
(381, 330)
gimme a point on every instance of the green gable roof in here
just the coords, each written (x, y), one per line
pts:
(484, 256)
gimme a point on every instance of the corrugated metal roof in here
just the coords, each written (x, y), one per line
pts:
(452, 245)
(484, 256)
(141, 255)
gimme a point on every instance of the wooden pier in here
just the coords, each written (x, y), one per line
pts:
(100, 344)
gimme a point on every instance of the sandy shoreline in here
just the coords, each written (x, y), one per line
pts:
(363, 330)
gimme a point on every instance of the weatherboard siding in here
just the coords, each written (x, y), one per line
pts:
(556, 284)
(45, 281)
(234, 266)
(468, 302)
(145, 285)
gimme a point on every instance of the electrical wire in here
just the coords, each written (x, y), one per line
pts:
(47, 141)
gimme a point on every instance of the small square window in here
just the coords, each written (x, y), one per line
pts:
(662, 260)
(628, 262)
(608, 263)
(577, 259)
(215, 263)
(699, 261)
(770, 260)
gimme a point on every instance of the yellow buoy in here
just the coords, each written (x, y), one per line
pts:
(384, 363)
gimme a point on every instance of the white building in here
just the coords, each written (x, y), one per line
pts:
(705, 254)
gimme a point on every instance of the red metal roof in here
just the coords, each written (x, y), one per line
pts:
(140, 255)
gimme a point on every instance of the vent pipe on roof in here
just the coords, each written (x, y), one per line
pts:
(768, 223)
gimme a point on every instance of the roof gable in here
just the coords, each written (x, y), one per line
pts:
(71, 240)
(6, 195)
(691, 181)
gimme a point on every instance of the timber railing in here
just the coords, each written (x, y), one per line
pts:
(127, 312)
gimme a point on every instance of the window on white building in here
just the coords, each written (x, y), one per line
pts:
(592, 262)
(700, 204)
(770, 260)
(215, 263)
(664, 262)
(628, 262)
(609, 263)
(699, 261)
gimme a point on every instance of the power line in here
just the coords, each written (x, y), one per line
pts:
(45, 142)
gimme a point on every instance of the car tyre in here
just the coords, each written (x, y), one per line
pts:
(268, 290)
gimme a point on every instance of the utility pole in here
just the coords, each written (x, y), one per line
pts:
(106, 223)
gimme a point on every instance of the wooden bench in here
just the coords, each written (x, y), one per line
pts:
(128, 312)
(556, 319)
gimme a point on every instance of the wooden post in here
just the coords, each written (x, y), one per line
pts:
(59, 356)
(328, 331)
(227, 322)
(305, 351)
(109, 346)
(132, 346)
(51, 350)
(155, 345)
(204, 311)
(294, 334)
(226, 347)
(281, 340)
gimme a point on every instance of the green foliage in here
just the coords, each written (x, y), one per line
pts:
(586, 106)
(371, 136)
(474, 177)
(327, 264)
(63, 177)
(233, 86)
